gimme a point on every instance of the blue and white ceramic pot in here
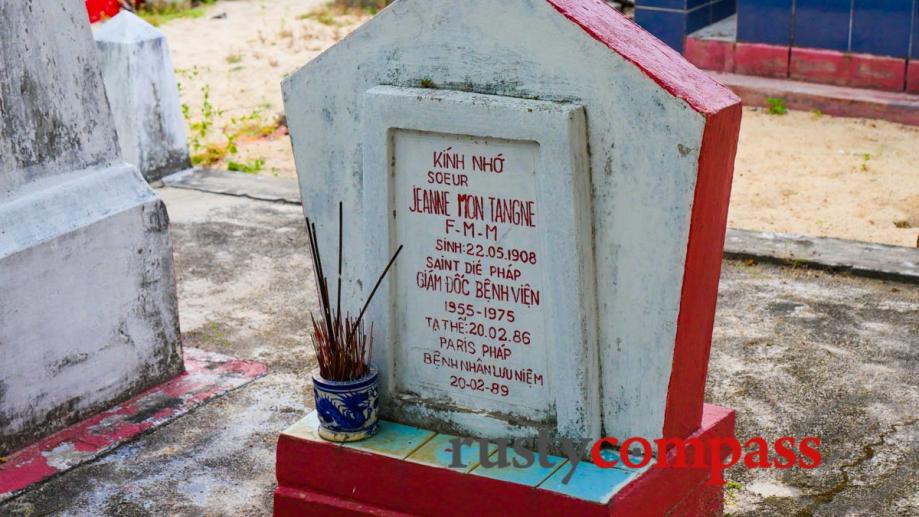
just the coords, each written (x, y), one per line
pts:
(348, 411)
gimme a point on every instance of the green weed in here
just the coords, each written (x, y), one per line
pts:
(157, 13)
(330, 13)
(776, 106)
(252, 167)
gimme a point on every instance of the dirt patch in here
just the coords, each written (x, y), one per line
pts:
(827, 176)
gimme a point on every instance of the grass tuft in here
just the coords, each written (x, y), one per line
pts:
(159, 12)
(776, 106)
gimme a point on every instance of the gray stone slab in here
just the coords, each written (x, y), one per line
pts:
(265, 188)
(88, 312)
(858, 258)
(143, 93)
(53, 112)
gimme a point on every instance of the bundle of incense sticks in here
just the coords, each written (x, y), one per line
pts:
(343, 345)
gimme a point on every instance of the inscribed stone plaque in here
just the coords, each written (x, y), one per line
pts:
(469, 284)
(485, 327)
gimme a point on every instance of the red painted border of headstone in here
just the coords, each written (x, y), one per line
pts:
(722, 110)
(99, 9)
(655, 58)
(207, 376)
(699, 298)
(321, 478)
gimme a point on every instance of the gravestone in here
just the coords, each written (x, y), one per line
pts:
(88, 311)
(143, 93)
(560, 180)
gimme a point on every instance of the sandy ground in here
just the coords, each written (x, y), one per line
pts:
(827, 176)
(240, 51)
(797, 173)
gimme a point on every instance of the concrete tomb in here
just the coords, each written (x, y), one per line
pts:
(143, 94)
(88, 312)
(560, 180)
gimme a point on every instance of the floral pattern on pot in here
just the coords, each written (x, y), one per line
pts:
(348, 411)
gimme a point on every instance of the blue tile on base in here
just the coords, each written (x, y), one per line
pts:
(529, 476)
(307, 428)
(613, 455)
(394, 440)
(438, 451)
(589, 482)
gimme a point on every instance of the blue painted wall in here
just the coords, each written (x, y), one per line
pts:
(822, 24)
(764, 21)
(915, 52)
(882, 27)
(672, 20)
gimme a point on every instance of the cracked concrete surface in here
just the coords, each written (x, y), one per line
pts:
(802, 353)
(796, 352)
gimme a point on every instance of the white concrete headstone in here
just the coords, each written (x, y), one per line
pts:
(88, 312)
(560, 181)
(143, 94)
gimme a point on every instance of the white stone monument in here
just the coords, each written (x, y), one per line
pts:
(88, 311)
(560, 181)
(143, 94)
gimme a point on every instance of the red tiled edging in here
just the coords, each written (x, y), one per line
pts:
(207, 376)
(761, 60)
(843, 69)
(805, 64)
(710, 54)
(912, 76)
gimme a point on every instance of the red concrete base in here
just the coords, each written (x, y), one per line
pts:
(842, 69)
(318, 478)
(710, 54)
(912, 76)
(833, 100)
(207, 376)
(805, 64)
(761, 60)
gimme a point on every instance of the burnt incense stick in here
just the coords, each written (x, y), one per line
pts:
(343, 346)
(341, 225)
(377, 286)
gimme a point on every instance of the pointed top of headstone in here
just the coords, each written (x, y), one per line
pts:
(655, 58)
(127, 27)
(54, 115)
